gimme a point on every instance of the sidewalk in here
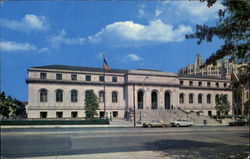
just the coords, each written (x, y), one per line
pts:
(113, 155)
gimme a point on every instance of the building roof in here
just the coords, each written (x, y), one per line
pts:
(78, 68)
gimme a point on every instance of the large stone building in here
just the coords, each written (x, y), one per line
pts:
(58, 91)
(222, 68)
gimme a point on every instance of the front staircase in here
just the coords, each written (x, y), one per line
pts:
(168, 116)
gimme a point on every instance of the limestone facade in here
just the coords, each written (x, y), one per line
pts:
(57, 91)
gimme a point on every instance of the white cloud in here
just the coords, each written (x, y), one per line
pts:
(13, 46)
(187, 11)
(128, 33)
(28, 23)
(134, 57)
(43, 50)
(60, 38)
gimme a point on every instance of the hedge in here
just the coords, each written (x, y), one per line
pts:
(54, 122)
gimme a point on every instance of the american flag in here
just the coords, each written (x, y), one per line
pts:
(105, 65)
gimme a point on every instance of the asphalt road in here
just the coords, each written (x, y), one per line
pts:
(194, 142)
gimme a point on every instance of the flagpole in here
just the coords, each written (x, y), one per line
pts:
(104, 88)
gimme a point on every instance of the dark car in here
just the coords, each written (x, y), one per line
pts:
(237, 123)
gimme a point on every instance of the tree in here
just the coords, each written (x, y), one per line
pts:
(222, 105)
(233, 28)
(91, 104)
(10, 108)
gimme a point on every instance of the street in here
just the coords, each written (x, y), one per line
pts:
(193, 142)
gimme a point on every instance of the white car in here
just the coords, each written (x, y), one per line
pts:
(179, 123)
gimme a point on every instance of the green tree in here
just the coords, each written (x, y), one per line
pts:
(222, 105)
(233, 29)
(91, 104)
(10, 108)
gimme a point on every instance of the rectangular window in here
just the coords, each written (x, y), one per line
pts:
(59, 76)
(208, 84)
(43, 75)
(88, 78)
(190, 83)
(225, 84)
(217, 84)
(74, 114)
(74, 77)
(101, 78)
(115, 114)
(114, 79)
(181, 83)
(59, 114)
(43, 114)
(200, 83)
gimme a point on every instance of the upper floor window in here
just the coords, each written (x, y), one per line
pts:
(43, 95)
(59, 76)
(43, 75)
(114, 79)
(200, 98)
(190, 83)
(181, 98)
(225, 84)
(88, 78)
(217, 84)
(101, 78)
(73, 96)
(181, 83)
(73, 77)
(114, 97)
(208, 84)
(200, 83)
(59, 95)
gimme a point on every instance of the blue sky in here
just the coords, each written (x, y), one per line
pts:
(132, 34)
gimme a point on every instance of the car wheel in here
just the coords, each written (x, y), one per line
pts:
(163, 125)
(177, 125)
(149, 126)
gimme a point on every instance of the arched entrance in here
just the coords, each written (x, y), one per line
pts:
(140, 100)
(167, 100)
(154, 100)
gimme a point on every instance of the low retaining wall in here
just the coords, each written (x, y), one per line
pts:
(55, 122)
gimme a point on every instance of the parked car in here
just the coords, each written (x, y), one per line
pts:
(154, 123)
(178, 123)
(239, 122)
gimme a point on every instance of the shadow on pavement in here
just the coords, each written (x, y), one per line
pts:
(184, 149)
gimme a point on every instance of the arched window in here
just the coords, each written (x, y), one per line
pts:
(154, 100)
(87, 92)
(216, 98)
(209, 98)
(43, 95)
(74, 96)
(167, 100)
(200, 98)
(140, 95)
(114, 97)
(181, 98)
(59, 95)
(191, 98)
(101, 96)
